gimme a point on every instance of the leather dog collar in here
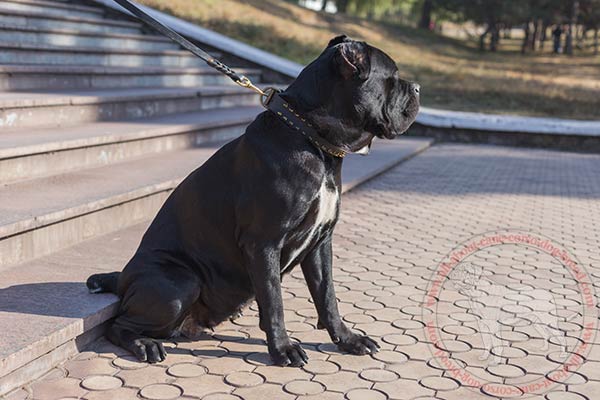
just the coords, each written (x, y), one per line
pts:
(273, 102)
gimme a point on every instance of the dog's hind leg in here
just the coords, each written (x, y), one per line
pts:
(152, 309)
(101, 283)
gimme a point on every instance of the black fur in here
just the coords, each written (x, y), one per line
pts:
(101, 283)
(231, 229)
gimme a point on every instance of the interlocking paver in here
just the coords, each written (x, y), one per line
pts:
(321, 367)
(186, 370)
(276, 374)
(354, 363)
(225, 365)
(20, 394)
(342, 381)
(403, 389)
(203, 385)
(221, 396)
(54, 389)
(101, 382)
(304, 388)
(244, 379)
(128, 362)
(266, 391)
(121, 393)
(365, 394)
(95, 366)
(145, 376)
(378, 375)
(393, 233)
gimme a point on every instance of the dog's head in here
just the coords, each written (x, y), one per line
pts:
(353, 92)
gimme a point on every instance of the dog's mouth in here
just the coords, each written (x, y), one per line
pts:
(394, 132)
(401, 122)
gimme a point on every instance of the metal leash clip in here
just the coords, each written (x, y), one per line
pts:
(267, 95)
(247, 83)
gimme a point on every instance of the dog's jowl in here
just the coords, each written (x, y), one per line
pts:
(264, 203)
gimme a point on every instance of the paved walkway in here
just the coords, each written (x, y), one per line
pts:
(528, 219)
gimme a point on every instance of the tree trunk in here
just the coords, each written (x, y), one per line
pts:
(596, 41)
(571, 31)
(544, 35)
(482, 37)
(425, 21)
(342, 5)
(535, 36)
(495, 39)
(526, 38)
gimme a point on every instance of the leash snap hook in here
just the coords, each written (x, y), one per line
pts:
(246, 83)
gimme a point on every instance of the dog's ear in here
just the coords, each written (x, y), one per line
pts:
(338, 40)
(352, 59)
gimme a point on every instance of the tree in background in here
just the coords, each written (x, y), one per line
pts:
(493, 15)
(573, 15)
(535, 17)
(342, 5)
(425, 21)
(590, 18)
(374, 8)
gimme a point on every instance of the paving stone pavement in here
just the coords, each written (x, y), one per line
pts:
(503, 314)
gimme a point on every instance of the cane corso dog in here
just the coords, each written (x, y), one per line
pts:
(263, 203)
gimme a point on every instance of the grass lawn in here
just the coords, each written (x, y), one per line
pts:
(452, 73)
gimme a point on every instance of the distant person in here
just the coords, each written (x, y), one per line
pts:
(556, 35)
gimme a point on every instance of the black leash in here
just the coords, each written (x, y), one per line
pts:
(176, 37)
(269, 97)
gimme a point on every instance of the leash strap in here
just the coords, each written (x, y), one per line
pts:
(176, 37)
(269, 98)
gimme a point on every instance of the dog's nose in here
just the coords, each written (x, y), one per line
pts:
(416, 88)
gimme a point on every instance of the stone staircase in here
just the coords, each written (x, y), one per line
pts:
(99, 121)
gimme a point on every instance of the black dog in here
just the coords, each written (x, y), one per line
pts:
(262, 204)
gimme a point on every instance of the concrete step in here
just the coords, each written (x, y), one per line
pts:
(23, 53)
(63, 77)
(11, 33)
(46, 314)
(44, 152)
(44, 21)
(44, 215)
(68, 108)
(51, 8)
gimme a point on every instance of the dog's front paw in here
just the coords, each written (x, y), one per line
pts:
(357, 344)
(288, 354)
(149, 350)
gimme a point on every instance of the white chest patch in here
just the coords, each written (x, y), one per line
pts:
(327, 205)
(327, 199)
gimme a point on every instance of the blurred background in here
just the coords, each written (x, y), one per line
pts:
(526, 57)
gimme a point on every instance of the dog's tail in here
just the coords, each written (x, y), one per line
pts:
(101, 283)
